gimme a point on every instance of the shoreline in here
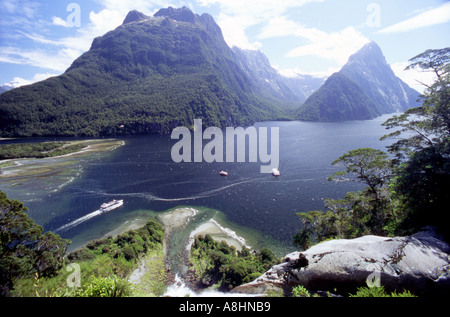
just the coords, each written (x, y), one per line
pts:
(88, 148)
(178, 239)
(178, 218)
(33, 167)
(218, 233)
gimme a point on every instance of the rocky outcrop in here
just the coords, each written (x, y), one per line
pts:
(134, 16)
(419, 263)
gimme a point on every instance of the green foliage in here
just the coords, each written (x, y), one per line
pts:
(300, 291)
(24, 248)
(37, 150)
(122, 252)
(217, 263)
(368, 166)
(139, 79)
(379, 292)
(154, 280)
(104, 267)
(370, 211)
(104, 287)
(337, 100)
(422, 149)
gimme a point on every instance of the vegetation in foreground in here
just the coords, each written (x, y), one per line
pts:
(36, 264)
(25, 250)
(215, 263)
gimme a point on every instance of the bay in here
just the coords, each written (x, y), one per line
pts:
(258, 206)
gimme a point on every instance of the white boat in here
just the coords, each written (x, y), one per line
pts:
(111, 205)
(275, 172)
(223, 173)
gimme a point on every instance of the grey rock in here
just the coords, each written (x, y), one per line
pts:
(419, 263)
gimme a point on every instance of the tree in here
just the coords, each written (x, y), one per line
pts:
(368, 166)
(405, 193)
(366, 212)
(422, 150)
(372, 208)
(24, 250)
(427, 126)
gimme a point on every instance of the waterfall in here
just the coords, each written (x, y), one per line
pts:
(180, 289)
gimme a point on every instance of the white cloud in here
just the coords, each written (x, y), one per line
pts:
(66, 49)
(297, 72)
(59, 21)
(125, 6)
(263, 9)
(18, 81)
(21, 7)
(280, 26)
(414, 78)
(39, 58)
(57, 55)
(233, 29)
(333, 46)
(237, 16)
(431, 17)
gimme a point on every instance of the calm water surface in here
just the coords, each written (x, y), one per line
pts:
(143, 174)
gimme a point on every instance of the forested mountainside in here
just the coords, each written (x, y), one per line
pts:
(365, 88)
(149, 75)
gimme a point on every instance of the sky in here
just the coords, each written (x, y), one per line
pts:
(40, 39)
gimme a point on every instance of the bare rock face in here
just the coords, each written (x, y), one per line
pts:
(419, 263)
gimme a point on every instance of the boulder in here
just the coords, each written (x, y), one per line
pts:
(419, 263)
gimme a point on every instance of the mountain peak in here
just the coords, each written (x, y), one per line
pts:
(150, 75)
(365, 88)
(183, 14)
(369, 51)
(134, 16)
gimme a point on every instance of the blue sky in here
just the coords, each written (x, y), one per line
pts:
(39, 39)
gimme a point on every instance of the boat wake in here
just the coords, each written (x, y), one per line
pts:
(80, 220)
(205, 194)
(103, 208)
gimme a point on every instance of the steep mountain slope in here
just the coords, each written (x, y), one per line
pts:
(266, 79)
(4, 88)
(149, 75)
(303, 86)
(269, 82)
(369, 69)
(347, 99)
(366, 87)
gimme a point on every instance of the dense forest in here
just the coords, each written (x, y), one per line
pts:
(214, 263)
(140, 78)
(339, 99)
(364, 88)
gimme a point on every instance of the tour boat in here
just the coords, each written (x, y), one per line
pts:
(275, 172)
(111, 205)
(223, 173)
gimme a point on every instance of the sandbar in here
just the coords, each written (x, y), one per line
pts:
(219, 233)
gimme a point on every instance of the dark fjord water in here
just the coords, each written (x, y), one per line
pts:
(143, 174)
